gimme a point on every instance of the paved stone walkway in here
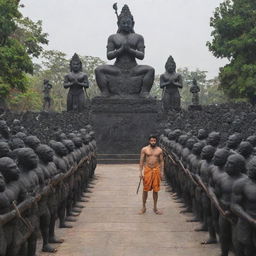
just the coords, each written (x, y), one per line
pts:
(111, 226)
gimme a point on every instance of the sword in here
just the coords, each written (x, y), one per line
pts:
(139, 186)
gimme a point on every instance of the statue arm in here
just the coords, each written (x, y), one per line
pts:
(163, 83)
(67, 83)
(142, 159)
(112, 52)
(85, 83)
(139, 53)
(236, 201)
(178, 82)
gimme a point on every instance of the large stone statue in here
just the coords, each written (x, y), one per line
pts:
(125, 77)
(47, 95)
(77, 82)
(170, 82)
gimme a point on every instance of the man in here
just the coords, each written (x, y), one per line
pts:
(151, 171)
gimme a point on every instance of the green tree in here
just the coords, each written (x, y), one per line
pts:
(234, 38)
(20, 40)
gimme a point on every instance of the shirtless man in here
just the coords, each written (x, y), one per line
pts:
(151, 171)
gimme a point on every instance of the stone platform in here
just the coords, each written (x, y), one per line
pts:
(122, 125)
(110, 225)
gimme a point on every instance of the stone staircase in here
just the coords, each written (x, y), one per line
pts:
(118, 158)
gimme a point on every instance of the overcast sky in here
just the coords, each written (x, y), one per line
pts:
(170, 27)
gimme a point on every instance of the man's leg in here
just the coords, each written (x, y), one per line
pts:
(144, 200)
(155, 198)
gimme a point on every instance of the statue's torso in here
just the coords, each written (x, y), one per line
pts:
(126, 59)
(171, 77)
(74, 78)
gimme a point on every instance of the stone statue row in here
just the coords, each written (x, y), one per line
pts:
(41, 183)
(125, 78)
(217, 184)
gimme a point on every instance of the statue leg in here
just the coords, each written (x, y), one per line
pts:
(52, 238)
(225, 235)
(101, 73)
(69, 102)
(148, 78)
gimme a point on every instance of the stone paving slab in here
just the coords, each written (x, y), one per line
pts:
(111, 226)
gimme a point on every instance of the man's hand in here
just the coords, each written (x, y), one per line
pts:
(141, 176)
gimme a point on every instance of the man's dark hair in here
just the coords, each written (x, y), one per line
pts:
(152, 137)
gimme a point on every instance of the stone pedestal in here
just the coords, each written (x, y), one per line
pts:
(122, 126)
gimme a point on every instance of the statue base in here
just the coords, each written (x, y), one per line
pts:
(122, 125)
(195, 107)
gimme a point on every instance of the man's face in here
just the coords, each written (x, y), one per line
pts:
(126, 25)
(152, 142)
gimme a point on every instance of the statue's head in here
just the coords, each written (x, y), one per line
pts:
(235, 165)
(234, 140)
(245, 149)
(183, 139)
(252, 140)
(4, 149)
(252, 168)
(16, 143)
(21, 135)
(78, 142)
(9, 169)
(170, 65)
(16, 122)
(32, 142)
(202, 134)
(190, 142)
(75, 64)
(4, 129)
(27, 158)
(213, 139)
(45, 153)
(59, 148)
(69, 145)
(125, 21)
(208, 152)
(220, 157)
(197, 148)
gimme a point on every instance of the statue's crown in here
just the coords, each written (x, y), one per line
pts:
(170, 63)
(125, 13)
(75, 58)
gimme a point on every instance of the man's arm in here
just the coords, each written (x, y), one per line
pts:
(161, 164)
(142, 160)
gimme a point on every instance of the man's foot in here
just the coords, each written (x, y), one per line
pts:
(142, 211)
(156, 211)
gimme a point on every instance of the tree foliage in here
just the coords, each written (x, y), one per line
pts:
(234, 38)
(20, 40)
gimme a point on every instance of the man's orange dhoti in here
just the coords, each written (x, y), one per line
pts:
(152, 178)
